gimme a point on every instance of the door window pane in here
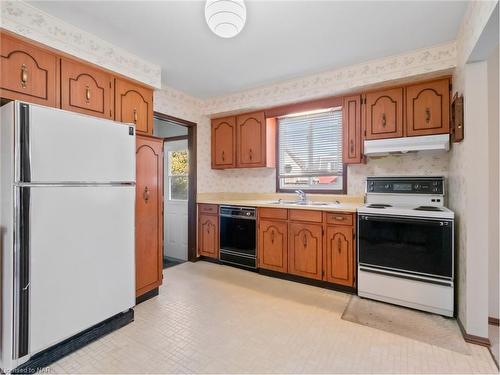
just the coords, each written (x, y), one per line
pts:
(178, 167)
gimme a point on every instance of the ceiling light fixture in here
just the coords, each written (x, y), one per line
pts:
(225, 18)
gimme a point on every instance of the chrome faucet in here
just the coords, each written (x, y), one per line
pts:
(302, 196)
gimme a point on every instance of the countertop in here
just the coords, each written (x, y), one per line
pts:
(347, 203)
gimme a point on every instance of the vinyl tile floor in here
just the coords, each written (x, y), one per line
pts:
(211, 318)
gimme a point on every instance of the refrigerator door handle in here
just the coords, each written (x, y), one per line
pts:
(22, 273)
(24, 143)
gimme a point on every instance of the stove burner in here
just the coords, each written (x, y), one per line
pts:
(428, 208)
(378, 205)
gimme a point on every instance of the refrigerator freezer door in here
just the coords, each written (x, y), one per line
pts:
(82, 259)
(69, 147)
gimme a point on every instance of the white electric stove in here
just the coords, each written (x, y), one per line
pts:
(405, 244)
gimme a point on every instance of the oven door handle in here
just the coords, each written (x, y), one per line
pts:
(393, 219)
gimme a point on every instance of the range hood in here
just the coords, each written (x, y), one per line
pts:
(381, 147)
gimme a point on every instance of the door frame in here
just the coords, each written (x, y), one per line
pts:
(191, 137)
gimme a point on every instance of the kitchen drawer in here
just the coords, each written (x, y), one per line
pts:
(208, 209)
(339, 218)
(306, 215)
(273, 213)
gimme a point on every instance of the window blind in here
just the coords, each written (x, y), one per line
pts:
(311, 145)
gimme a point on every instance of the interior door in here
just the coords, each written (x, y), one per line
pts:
(176, 199)
(82, 263)
(69, 147)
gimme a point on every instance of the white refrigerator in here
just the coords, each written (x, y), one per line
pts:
(67, 198)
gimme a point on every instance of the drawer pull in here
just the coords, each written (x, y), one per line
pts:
(24, 76)
(135, 115)
(384, 120)
(339, 218)
(87, 94)
(427, 115)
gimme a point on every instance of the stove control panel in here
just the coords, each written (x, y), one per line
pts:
(405, 185)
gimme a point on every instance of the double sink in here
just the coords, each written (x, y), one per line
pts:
(302, 203)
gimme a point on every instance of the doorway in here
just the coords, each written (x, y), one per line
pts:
(179, 192)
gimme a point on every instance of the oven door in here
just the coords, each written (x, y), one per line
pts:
(417, 246)
(238, 235)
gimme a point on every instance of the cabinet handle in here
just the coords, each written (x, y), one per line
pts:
(272, 236)
(352, 146)
(339, 218)
(250, 153)
(24, 76)
(384, 120)
(427, 115)
(145, 194)
(223, 158)
(208, 228)
(87, 94)
(135, 115)
(304, 240)
(339, 245)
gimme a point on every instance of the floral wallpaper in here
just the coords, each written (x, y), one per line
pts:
(26, 20)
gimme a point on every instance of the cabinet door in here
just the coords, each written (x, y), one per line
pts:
(305, 250)
(149, 214)
(27, 72)
(251, 140)
(208, 235)
(223, 143)
(85, 89)
(428, 108)
(273, 249)
(384, 114)
(351, 127)
(134, 104)
(339, 255)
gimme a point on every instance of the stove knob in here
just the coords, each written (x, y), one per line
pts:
(247, 213)
(387, 186)
(417, 187)
(435, 183)
(371, 188)
(435, 189)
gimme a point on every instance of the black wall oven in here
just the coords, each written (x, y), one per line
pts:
(411, 246)
(238, 236)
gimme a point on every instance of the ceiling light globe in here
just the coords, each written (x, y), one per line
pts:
(225, 18)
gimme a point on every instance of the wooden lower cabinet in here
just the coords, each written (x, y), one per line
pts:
(273, 245)
(339, 255)
(149, 214)
(308, 243)
(208, 235)
(305, 250)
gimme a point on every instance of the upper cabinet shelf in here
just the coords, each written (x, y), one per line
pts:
(244, 141)
(38, 75)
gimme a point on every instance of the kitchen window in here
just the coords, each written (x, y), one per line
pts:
(178, 175)
(310, 152)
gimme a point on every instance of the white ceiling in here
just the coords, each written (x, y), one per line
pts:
(281, 40)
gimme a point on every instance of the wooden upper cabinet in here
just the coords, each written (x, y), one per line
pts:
(352, 142)
(339, 255)
(384, 114)
(223, 143)
(273, 249)
(251, 140)
(208, 235)
(149, 214)
(305, 250)
(86, 89)
(428, 108)
(134, 104)
(28, 73)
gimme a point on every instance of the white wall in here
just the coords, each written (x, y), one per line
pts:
(493, 216)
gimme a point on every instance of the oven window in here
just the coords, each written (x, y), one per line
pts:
(237, 235)
(411, 245)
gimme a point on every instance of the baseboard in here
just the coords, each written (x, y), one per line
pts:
(39, 362)
(494, 321)
(144, 297)
(473, 339)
